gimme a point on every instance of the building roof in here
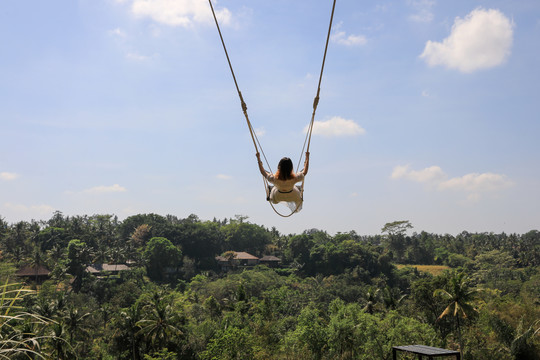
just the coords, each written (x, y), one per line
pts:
(98, 268)
(269, 258)
(238, 256)
(245, 256)
(29, 270)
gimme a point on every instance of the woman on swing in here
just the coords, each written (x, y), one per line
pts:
(284, 181)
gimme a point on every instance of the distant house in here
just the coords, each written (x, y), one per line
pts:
(224, 263)
(270, 261)
(237, 259)
(243, 259)
(34, 273)
(109, 269)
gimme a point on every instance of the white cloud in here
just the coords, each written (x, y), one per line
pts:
(473, 183)
(423, 12)
(260, 132)
(381, 8)
(105, 189)
(473, 198)
(7, 176)
(118, 32)
(337, 126)
(138, 57)
(224, 177)
(482, 40)
(427, 175)
(32, 211)
(477, 182)
(179, 12)
(340, 37)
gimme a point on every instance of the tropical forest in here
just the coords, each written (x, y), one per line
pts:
(154, 287)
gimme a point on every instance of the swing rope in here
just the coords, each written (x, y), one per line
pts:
(242, 102)
(254, 137)
(315, 101)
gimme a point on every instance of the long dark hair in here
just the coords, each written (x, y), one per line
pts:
(285, 169)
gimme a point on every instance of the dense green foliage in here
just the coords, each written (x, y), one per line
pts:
(333, 297)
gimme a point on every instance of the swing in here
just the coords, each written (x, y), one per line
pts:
(254, 138)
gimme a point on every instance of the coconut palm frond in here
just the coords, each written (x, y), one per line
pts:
(449, 309)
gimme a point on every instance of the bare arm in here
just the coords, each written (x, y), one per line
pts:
(306, 164)
(261, 167)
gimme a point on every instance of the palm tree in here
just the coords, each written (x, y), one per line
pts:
(79, 255)
(56, 252)
(521, 347)
(73, 320)
(459, 296)
(128, 330)
(16, 243)
(60, 346)
(159, 323)
(37, 261)
(101, 255)
(392, 297)
(44, 307)
(517, 341)
(371, 299)
(116, 254)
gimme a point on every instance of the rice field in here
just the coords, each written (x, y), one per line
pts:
(434, 270)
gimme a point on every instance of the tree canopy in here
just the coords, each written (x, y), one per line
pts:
(342, 296)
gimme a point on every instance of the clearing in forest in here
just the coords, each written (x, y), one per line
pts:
(434, 270)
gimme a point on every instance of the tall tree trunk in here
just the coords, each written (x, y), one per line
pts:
(460, 338)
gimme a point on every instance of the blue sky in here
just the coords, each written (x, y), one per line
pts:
(429, 111)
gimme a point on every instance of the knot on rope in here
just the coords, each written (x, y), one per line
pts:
(316, 101)
(244, 106)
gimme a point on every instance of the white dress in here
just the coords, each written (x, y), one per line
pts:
(286, 191)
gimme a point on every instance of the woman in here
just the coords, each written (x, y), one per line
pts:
(284, 181)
